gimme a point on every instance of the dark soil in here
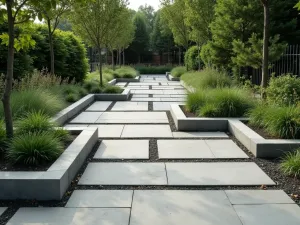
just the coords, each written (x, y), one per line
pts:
(5, 165)
(186, 112)
(262, 132)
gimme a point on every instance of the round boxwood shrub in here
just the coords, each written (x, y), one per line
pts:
(192, 58)
(178, 71)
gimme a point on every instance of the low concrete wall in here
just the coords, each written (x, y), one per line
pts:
(53, 183)
(114, 81)
(113, 97)
(171, 78)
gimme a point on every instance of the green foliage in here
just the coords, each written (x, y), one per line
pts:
(207, 78)
(89, 85)
(2, 136)
(192, 58)
(61, 134)
(72, 97)
(195, 100)
(153, 69)
(178, 71)
(284, 90)
(34, 148)
(112, 89)
(125, 72)
(290, 164)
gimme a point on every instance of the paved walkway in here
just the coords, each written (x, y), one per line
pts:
(146, 173)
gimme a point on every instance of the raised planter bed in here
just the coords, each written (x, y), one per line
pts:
(53, 183)
(259, 146)
(171, 78)
(114, 81)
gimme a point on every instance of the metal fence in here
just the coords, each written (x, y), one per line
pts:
(288, 63)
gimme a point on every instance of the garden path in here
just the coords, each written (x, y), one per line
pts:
(145, 172)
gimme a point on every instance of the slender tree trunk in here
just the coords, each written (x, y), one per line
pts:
(179, 56)
(100, 66)
(199, 61)
(265, 63)
(113, 59)
(117, 61)
(123, 57)
(139, 58)
(106, 57)
(10, 72)
(50, 35)
(120, 57)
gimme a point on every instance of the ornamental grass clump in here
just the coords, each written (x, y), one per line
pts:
(178, 71)
(3, 140)
(112, 89)
(195, 100)
(290, 164)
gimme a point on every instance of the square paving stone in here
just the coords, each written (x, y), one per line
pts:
(109, 131)
(99, 106)
(183, 149)
(2, 210)
(164, 106)
(255, 197)
(130, 106)
(124, 174)
(145, 99)
(221, 173)
(225, 149)
(270, 214)
(200, 135)
(87, 117)
(123, 149)
(100, 199)
(133, 117)
(70, 216)
(147, 131)
(174, 207)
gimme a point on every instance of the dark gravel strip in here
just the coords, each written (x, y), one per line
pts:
(130, 97)
(150, 96)
(171, 122)
(126, 85)
(8, 214)
(110, 106)
(159, 83)
(150, 106)
(150, 87)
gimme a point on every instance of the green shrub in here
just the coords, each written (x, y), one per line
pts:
(2, 135)
(96, 90)
(257, 114)
(72, 97)
(62, 134)
(125, 72)
(89, 85)
(284, 90)
(195, 100)
(34, 148)
(290, 164)
(82, 92)
(192, 58)
(207, 78)
(153, 69)
(178, 71)
(112, 89)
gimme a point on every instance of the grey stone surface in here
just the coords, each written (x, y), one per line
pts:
(123, 149)
(149, 99)
(109, 131)
(255, 197)
(70, 216)
(124, 174)
(173, 207)
(100, 199)
(87, 117)
(133, 117)
(199, 135)
(2, 210)
(99, 106)
(147, 131)
(235, 173)
(130, 106)
(270, 214)
(183, 149)
(163, 106)
(225, 149)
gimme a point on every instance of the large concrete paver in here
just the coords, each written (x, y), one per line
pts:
(123, 149)
(174, 207)
(124, 174)
(200, 135)
(100, 199)
(70, 216)
(109, 131)
(130, 106)
(216, 174)
(87, 117)
(147, 131)
(164, 106)
(99, 106)
(225, 149)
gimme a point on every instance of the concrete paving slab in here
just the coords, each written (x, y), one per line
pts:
(109, 131)
(147, 131)
(100, 199)
(173, 207)
(2, 210)
(99, 106)
(87, 117)
(130, 106)
(123, 149)
(183, 149)
(221, 173)
(124, 174)
(163, 106)
(149, 92)
(70, 216)
(270, 214)
(256, 197)
(173, 99)
(149, 99)
(225, 149)
(200, 135)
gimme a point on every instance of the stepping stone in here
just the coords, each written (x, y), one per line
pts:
(100, 199)
(130, 106)
(173, 99)
(123, 149)
(133, 117)
(183, 149)
(99, 106)
(164, 106)
(2, 210)
(174, 207)
(109, 131)
(221, 173)
(147, 131)
(87, 117)
(70, 216)
(256, 197)
(148, 99)
(270, 214)
(225, 149)
(149, 92)
(124, 174)
(200, 135)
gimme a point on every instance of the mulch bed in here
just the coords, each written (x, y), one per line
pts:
(186, 112)
(262, 132)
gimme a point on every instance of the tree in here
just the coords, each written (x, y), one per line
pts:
(92, 20)
(148, 11)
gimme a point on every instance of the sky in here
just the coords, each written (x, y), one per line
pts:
(134, 4)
